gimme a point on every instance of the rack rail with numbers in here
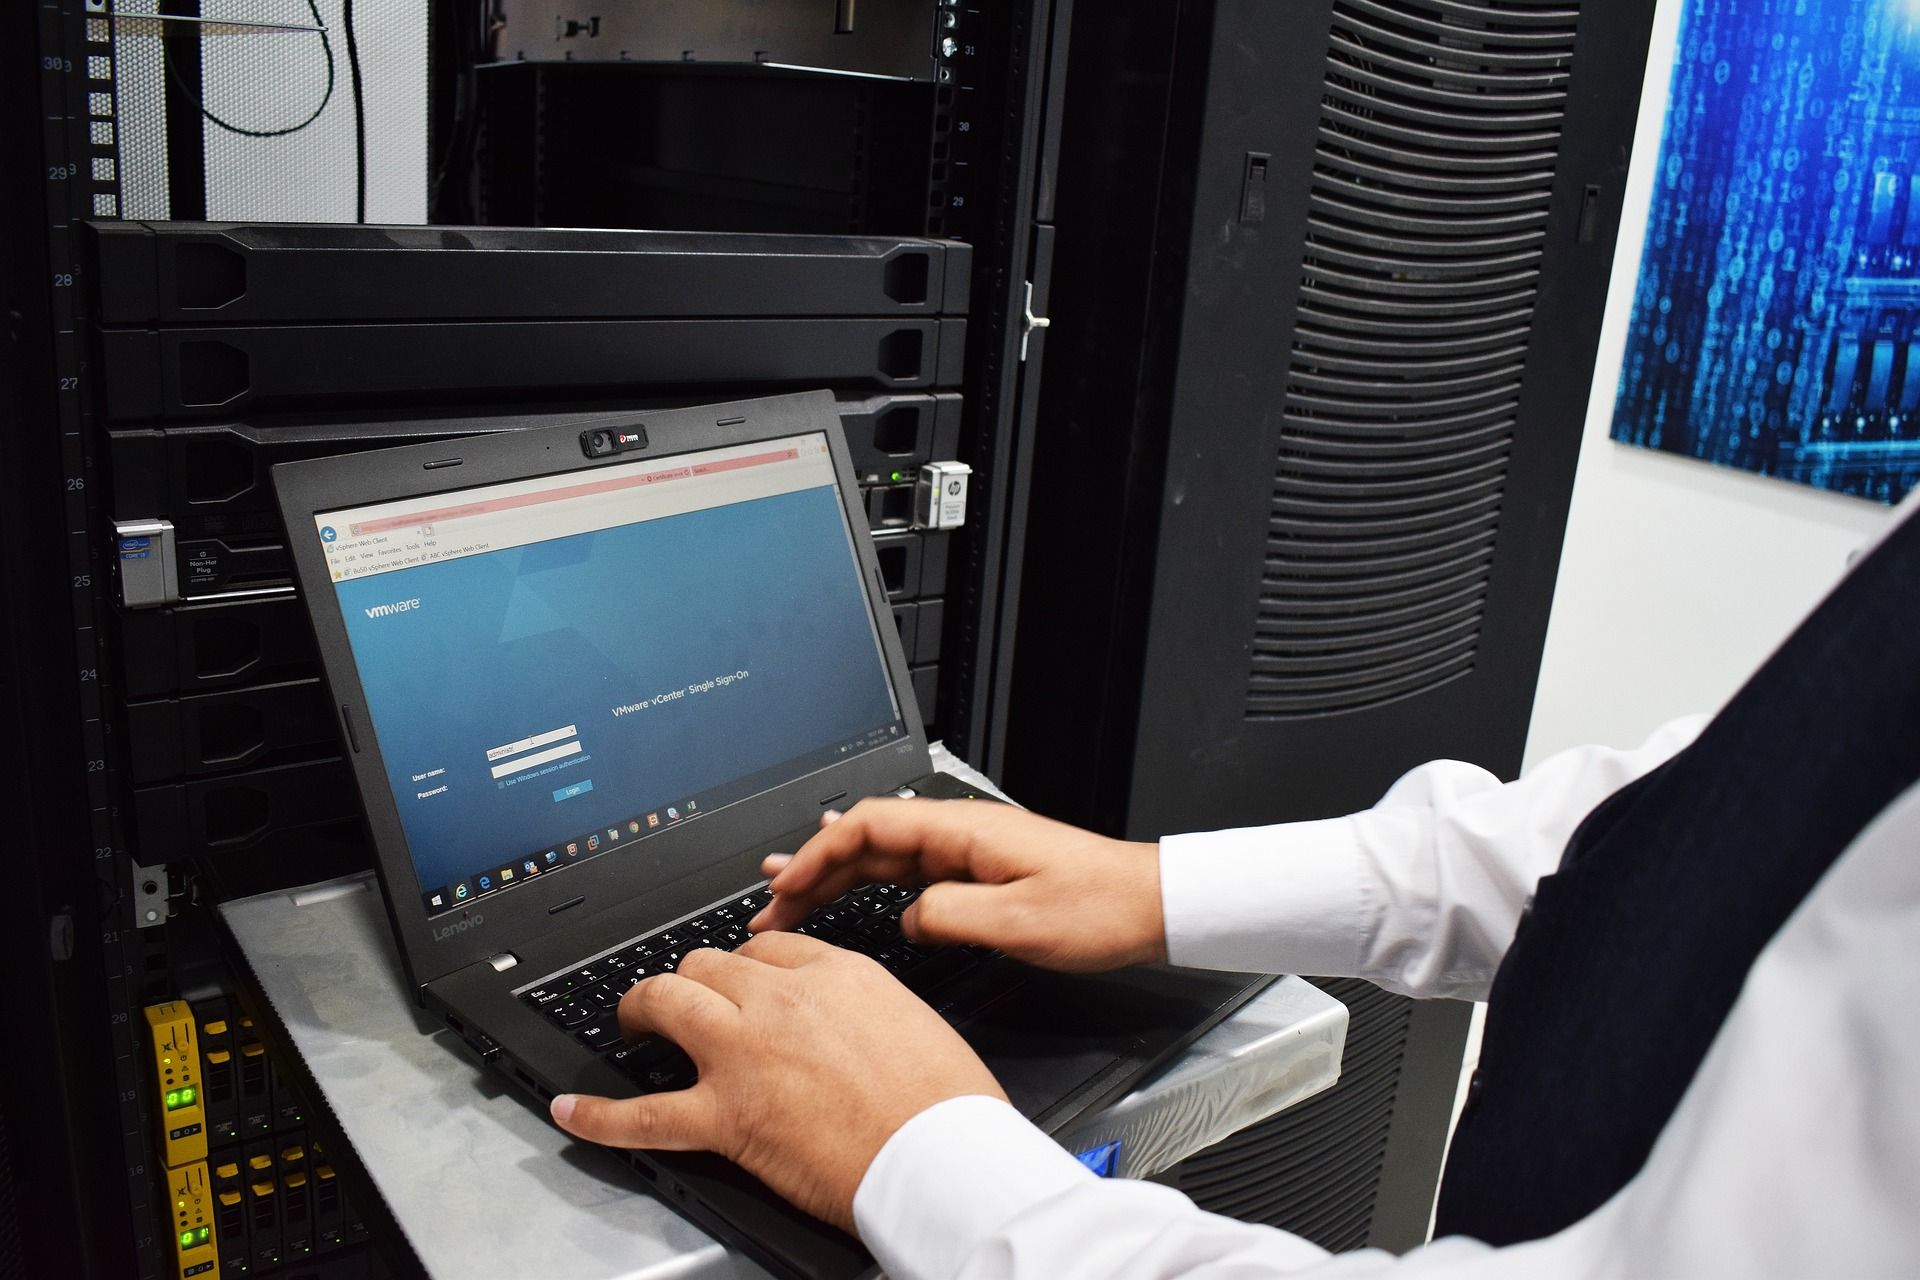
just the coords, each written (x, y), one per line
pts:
(80, 162)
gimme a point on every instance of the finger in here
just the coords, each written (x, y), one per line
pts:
(772, 864)
(690, 1014)
(787, 911)
(786, 950)
(730, 973)
(906, 842)
(936, 835)
(992, 915)
(897, 841)
(681, 1121)
(790, 909)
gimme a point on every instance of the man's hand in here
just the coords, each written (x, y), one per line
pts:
(1039, 890)
(810, 1058)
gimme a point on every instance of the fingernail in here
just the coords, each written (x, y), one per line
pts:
(831, 815)
(777, 860)
(562, 1108)
(753, 925)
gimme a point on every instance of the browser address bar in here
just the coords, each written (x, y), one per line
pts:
(593, 488)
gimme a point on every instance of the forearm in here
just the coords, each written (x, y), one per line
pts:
(969, 1188)
(1421, 893)
(970, 1191)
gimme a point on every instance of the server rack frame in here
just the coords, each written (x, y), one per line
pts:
(69, 907)
(69, 90)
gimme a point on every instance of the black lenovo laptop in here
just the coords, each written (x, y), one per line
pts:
(588, 680)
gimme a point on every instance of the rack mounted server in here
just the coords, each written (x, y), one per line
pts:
(233, 755)
(197, 319)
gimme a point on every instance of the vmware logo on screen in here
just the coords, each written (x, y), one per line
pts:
(398, 606)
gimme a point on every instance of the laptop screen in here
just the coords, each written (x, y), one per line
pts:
(560, 668)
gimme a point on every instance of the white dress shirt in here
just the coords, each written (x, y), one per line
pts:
(1795, 1152)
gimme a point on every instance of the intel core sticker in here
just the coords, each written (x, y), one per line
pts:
(1102, 1160)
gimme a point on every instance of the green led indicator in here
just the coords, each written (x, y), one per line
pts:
(173, 1099)
(899, 475)
(186, 1239)
(187, 1096)
(203, 1235)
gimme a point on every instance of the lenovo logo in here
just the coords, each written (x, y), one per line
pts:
(398, 606)
(446, 931)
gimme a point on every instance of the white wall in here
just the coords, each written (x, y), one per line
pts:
(1678, 578)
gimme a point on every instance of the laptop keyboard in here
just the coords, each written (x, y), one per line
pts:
(582, 1002)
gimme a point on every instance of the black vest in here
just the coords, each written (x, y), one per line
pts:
(1634, 951)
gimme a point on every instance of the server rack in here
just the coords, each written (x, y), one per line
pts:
(1322, 355)
(162, 366)
(242, 778)
(965, 146)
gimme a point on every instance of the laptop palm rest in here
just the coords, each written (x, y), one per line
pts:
(1062, 1044)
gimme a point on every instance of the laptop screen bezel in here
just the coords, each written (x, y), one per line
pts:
(433, 947)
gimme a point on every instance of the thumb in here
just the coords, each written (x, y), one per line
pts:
(954, 911)
(677, 1121)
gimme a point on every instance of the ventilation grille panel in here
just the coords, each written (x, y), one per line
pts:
(1315, 1169)
(1427, 222)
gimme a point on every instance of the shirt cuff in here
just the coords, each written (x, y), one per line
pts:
(1284, 899)
(949, 1178)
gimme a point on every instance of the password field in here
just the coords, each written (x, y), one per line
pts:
(537, 759)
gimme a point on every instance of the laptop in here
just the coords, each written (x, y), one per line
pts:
(588, 680)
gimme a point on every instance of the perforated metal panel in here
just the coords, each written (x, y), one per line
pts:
(1439, 137)
(1314, 1170)
(139, 86)
(268, 80)
(271, 80)
(1300, 478)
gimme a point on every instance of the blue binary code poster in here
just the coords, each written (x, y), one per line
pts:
(1776, 323)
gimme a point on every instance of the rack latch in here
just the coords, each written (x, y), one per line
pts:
(1029, 321)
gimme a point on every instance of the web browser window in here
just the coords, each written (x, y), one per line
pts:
(560, 668)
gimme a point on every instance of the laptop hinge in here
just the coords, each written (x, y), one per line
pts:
(503, 962)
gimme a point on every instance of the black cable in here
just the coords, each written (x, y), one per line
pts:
(469, 49)
(359, 116)
(326, 48)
